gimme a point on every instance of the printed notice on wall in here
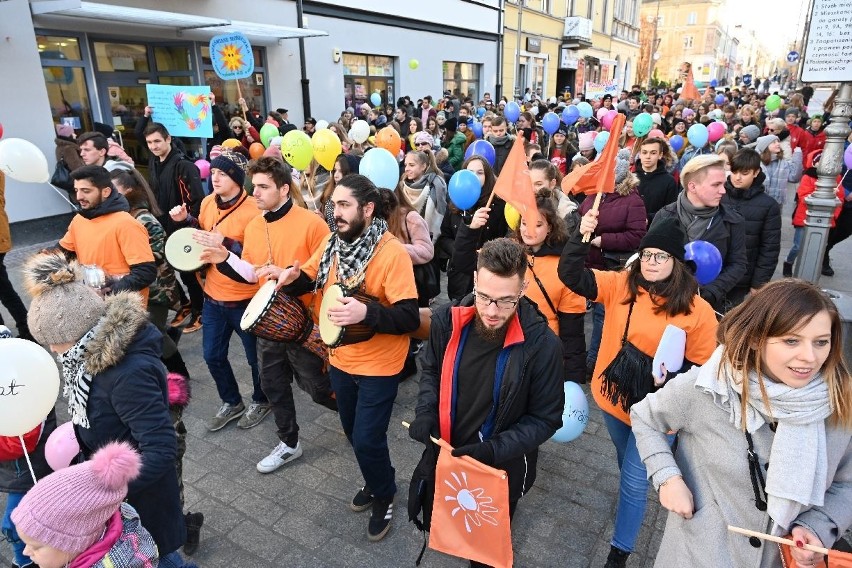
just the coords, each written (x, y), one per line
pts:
(828, 52)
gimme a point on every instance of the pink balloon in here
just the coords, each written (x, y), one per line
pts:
(61, 447)
(715, 131)
(608, 118)
(602, 112)
(656, 133)
(203, 167)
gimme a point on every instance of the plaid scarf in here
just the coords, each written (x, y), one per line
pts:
(78, 381)
(351, 257)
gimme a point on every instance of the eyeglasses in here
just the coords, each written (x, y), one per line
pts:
(485, 301)
(422, 144)
(659, 257)
(236, 128)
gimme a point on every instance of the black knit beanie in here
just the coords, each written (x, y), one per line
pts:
(666, 235)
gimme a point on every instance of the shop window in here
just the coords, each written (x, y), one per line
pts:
(118, 57)
(364, 75)
(68, 96)
(462, 79)
(170, 58)
(58, 47)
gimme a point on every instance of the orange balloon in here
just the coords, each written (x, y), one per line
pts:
(388, 138)
(256, 150)
(231, 143)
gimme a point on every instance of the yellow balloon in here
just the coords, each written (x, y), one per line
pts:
(231, 143)
(513, 218)
(326, 147)
(296, 149)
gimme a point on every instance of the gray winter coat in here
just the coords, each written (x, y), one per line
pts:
(711, 457)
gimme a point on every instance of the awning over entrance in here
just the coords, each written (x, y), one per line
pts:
(162, 19)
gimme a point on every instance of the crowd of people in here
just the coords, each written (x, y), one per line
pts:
(763, 374)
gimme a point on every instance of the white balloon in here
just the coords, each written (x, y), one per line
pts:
(29, 385)
(552, 100)
(22, 160)
(534, 110)
(321, 124)
(360, 131)
(276, 141)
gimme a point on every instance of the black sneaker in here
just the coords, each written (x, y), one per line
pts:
(380, 519)
(787, 270)
(362, 501)
(193, 532)
(827, 270)
(617, 558)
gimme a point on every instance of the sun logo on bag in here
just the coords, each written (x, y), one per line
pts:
(475, 506)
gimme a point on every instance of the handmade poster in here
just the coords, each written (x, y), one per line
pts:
(231, 56)
(596, 91)
(183, 110)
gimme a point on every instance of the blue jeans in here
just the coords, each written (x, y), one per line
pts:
(365, 405)
(632, 486)
(798, 233)
(218, 324)
(12, 501)
(597, 330)
(175, 560)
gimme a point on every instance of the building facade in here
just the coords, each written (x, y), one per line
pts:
(87, 62)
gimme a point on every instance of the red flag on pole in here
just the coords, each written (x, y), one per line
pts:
(470, 515)
(598, 176)
(514, 185)
(689, 91)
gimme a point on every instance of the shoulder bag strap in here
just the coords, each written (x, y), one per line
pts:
(546, 297)
(627, 325)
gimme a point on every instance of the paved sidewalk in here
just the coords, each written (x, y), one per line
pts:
(299, 516)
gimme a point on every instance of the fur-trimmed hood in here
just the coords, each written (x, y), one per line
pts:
(125, 315)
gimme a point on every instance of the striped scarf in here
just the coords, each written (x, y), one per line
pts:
(78, 381)
(352, 258)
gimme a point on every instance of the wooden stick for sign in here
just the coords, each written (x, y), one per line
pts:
(468, 459)
(239, 96)
(777, 539)
(588, 236)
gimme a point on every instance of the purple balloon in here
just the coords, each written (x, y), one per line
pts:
(847, 157)
(707, 259)
(481, 148)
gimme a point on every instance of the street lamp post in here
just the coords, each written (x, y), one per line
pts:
(653, 47)
(518, 86)
(821, 203)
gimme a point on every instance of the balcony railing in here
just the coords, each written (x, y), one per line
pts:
(624, 31)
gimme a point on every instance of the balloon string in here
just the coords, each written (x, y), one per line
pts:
(27, 456)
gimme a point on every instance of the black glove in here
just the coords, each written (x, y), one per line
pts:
(482, 452)
(424, 426)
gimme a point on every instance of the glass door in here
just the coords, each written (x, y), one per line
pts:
(123, 104)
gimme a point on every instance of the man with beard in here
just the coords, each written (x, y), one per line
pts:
(105, 235)
(363, 256)
(492, 376)
(282, 235)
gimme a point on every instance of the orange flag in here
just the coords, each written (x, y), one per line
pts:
(514, 185)
(470, 515)
(598, 176)
(689, 91)
(707, 92)
(836, 559)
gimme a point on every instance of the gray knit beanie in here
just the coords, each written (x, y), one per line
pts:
(751, 131)
(622, 165)
(764, 142)
(63, 308)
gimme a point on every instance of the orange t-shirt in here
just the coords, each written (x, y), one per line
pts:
(114, 242)
(564, 300)
(296, 236)
(217, 285)
(646, 330)
(390, 278)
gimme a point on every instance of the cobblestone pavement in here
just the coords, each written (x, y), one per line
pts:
(299, 516)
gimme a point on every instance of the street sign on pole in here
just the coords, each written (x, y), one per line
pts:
(792, 57)
(828, 46)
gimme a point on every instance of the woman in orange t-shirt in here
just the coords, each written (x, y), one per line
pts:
(640, 301)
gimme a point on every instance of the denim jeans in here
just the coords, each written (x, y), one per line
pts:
(632, 486)
(9, 532)
(798, 233)
(174, 560)
(597, 330)
(365, 405)
(218, 324)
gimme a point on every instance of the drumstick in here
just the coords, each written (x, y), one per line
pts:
(777, 539)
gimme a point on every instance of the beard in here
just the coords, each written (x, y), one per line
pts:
(354, 230)
(491, 334)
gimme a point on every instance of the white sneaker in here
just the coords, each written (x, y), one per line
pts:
(281, 454)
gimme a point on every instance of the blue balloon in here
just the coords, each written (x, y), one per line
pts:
(600, 141)
(481, 148)
(676, 142)
(697, 135)
(575, 415)
(512, 111)
(480, 112)
(585, 109)
(570, 115)
(476, 128)
(714, 83)
(550, 123)
(719, 99)
(376, 99)
(380, 167)
(707, 259)
(464, 189)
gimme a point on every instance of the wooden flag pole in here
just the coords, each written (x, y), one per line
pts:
(777, 539)
(239, 96)
(446, 445)
(490, 199)
(588, 236)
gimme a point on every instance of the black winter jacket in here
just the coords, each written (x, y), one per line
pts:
(657, 188)
(727, 233)
(762, 216)
(531, 399)
(174, 182)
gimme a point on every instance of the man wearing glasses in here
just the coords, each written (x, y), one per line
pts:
(491, 383)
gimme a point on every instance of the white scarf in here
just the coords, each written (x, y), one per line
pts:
(797, 477)
(78, 381)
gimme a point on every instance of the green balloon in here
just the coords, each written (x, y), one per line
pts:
(267, 133)
(642, 124)
(773, 102)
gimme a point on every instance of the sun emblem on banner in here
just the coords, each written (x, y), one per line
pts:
(474, 505)
(232, 57)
